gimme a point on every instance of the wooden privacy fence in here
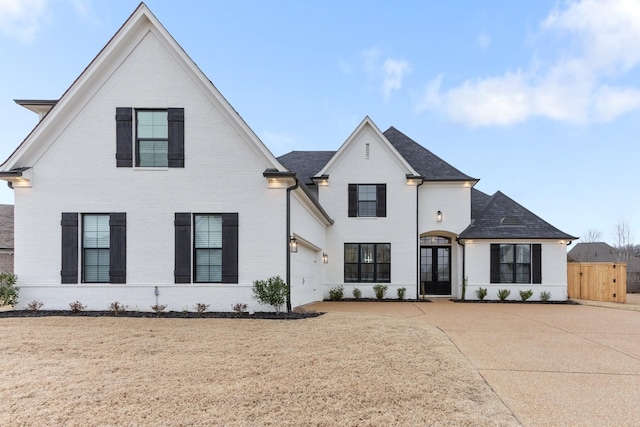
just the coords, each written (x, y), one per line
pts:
(597, 281)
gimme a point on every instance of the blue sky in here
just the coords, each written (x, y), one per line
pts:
(539, 99)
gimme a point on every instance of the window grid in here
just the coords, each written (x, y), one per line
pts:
(367, 200)
(95, 249)
(208, 248)
(515, 263)
(367, 262)
(152, 141)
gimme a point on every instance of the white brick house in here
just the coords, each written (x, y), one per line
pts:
(142, 179)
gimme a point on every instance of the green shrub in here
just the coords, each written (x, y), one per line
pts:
(336, 293)
(545, 296)
(273, 292)
(77, 306)
(35, 305)
(380, 290)
(525, 295)
(357, 293)
(481, 293)
(503, 294)
(401, 292)
(8, 290)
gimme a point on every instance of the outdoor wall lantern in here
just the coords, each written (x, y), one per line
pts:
(325, 258)
(439, 216)
(293, 245)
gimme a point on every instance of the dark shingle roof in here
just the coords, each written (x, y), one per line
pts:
(593, 252)
(306, 163)
(478, 202)
(427, 164)
(6, 226)
(487, 223)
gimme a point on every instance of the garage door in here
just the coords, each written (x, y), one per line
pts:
(305, 277)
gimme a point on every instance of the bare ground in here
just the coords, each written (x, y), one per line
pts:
(337, 369)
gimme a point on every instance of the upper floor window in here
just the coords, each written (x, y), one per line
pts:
(152, 138)
(367, 200)
(159, 137)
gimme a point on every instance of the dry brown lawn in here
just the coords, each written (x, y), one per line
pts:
(337, 369)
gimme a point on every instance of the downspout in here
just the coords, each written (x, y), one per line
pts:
(288, 237)
(464, 261)
(418, 238)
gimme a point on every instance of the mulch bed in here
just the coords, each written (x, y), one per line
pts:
(476, 301)
(376, 300)
(164, 315)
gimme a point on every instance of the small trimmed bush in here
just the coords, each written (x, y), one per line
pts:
(158, 308)
(77, 306)
(357, 293)
(503, 294)
(525, 295)
(118, 308)
(336, 293)
(481, 293)
(201, 307)
(35, 305)
(240, 308)
(401, 292)
(273, 292)
(545, 296)
(380, 290)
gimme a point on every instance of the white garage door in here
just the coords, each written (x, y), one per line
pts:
(305, 276)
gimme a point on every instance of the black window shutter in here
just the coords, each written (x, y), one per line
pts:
(230, 248)
(118, 247)
(182, 267)
(353, 200)
(536, 261)
(69, 272)
(175, 119)
(381, 198)
(124, 137)
(495, 263)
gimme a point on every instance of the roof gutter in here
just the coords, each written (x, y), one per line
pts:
(288, 237)
(14, 176)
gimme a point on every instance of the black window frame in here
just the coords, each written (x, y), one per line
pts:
(535, 263)
(355, 203)
(379, 267)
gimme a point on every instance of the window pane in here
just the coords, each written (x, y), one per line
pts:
(208, 231)
(523, 273)
(153, 124)
(443, 264)
(383, 252)
(523, 254)
(96, 231)
(96, 265)
(208, 265)
(366, 273)
(367, 208)
(367, 192)
(351, 272)
(384, 273)
(366, 253)
(153, 153)
(350, 252)
(506, 273)
(507, 253)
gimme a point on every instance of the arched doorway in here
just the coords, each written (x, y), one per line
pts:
(435, 265)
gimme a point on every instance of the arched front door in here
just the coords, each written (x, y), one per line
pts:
(435, 265)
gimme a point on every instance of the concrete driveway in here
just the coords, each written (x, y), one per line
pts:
(551, 365)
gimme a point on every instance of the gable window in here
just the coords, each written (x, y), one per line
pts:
(367, 262)
(515, 263)
(367, 200)
(103, 247)
(152, 138)
(159, 137)
(213, 241)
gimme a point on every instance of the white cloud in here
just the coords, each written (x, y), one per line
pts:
(384, 71)
(604, 40)
(20, 19)
(393, 71)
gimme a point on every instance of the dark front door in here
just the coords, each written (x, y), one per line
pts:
(435, 270)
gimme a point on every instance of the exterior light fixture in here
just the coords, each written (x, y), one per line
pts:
(439, 216)
(325, 258)
(293, 245)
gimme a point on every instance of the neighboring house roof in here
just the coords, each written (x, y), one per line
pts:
(593, 252)
(306, 164)
(503, 218)
(427, 164)
(6, 226)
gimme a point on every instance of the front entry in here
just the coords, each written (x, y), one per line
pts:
(435, 270)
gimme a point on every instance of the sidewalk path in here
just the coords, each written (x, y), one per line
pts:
(552, 365)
